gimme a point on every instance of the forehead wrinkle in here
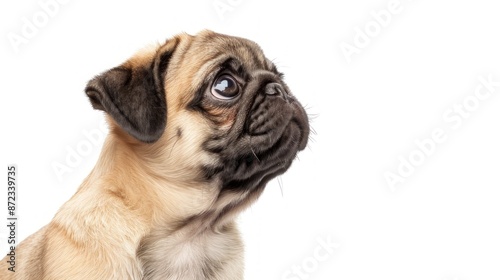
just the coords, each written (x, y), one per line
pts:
(253, 54)
(203, 73)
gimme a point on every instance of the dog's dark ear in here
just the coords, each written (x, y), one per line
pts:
(133, 94)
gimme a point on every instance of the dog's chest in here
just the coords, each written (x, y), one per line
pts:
(209, 256)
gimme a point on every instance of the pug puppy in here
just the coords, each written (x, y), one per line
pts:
(198, 127)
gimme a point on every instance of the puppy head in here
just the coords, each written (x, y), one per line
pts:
(210, 105)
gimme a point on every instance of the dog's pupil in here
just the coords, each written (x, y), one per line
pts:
(225, 86)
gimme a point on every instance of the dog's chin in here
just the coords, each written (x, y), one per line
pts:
(264, 148)
(256, 167)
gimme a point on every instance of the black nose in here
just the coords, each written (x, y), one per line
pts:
(276, 89)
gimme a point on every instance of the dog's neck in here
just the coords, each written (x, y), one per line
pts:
(125, 171)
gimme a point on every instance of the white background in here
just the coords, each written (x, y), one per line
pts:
(442, 222)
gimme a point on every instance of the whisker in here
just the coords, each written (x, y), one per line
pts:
(280, 183)
(312, 116)
(253, 152)
(313, 130)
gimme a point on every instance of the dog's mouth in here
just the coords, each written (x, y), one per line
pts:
(274, 129)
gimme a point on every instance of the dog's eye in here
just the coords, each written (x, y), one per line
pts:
(225, 87)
